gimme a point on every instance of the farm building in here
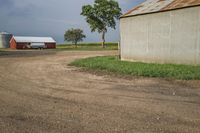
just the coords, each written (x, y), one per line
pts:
(162, 31)
(22, 42)
(5, 40)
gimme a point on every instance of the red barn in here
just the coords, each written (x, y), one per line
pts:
(23, 42)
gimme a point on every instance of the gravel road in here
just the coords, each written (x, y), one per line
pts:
(40, 93)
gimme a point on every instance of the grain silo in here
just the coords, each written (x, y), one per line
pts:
(5, 40)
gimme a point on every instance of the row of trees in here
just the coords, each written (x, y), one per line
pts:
(100, 16)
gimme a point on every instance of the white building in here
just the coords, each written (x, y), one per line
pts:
(162, 31)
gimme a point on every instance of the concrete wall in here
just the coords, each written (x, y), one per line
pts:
(165, 37)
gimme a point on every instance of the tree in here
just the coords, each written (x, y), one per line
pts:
(74, 36)
(101, 15)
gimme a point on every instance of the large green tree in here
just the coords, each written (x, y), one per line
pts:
(74, 36)
(102, 15)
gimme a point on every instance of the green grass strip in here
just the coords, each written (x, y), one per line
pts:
(114, 65)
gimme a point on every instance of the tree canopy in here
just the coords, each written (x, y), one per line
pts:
(74, 36)
(101, 15)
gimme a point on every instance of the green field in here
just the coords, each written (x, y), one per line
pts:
(114, 65)
(2, 49)
(88, 46)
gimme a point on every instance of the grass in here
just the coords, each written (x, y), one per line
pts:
(2, 49)
(88, 46)
(114, 65)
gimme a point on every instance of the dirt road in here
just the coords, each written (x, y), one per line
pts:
(39, 93)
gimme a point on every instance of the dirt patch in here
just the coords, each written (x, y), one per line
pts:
(39, 92)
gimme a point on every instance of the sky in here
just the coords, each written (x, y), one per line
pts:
(52, 18)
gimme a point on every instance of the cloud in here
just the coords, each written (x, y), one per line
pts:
(5, 3)
(51, 17)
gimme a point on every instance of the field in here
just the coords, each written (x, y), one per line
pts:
(115, 65)
(88, 46)
(1, 49)
(41, 93)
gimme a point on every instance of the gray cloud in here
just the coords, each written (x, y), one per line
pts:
(50, 17)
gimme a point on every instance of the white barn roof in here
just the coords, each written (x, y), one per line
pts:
(34, 39)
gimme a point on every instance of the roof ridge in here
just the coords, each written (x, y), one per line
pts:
(176, 1)
(154, 6)
(134, 8)
(35, 36)
(168, 5)
(33, 39)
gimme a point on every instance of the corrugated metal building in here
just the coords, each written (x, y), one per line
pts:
(162, 31)
(22, 42)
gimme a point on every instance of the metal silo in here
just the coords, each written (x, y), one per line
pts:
(5, 40)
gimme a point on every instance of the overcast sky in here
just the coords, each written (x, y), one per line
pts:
(51, 18)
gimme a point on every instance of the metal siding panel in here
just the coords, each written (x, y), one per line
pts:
(173, 37)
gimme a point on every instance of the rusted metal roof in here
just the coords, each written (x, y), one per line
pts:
(153, 6)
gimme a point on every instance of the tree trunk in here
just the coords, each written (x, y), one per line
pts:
(76, 44)
(103, 39)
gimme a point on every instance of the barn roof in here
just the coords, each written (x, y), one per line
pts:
(153, 6)
(34, 39)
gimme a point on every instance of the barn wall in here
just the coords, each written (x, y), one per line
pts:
(22, 46)
(166, 37)
(50, 45)
(13, 44)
